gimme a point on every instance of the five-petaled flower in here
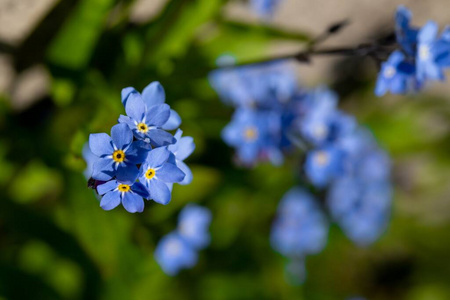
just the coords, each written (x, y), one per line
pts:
(156, 172)
(117, 155)
(129, 193)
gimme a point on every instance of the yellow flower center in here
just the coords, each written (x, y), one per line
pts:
(250, 133)
(142, 127)
(150, 174)
(118, 156)
(322, 158)
(124, 188)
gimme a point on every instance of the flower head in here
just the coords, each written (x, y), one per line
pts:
(117, 155)
(300, 227)
(156, 172)
(130, 194)
(323, 165)
(173, 254)
(193, 224)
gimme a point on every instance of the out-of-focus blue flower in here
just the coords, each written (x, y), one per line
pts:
(428, 49)
(129, 194)
(146, 122)
(397, 75)
(117, 155)
(156, 172)
(264, 86)
(300, 227)
(173, 254)
(264, 8)
(406, 35)
(193, 225)
(154, 94)
(183, 147)
(323, 165)
(360, 200)
(256, 136)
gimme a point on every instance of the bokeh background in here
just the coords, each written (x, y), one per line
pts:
(62, 66)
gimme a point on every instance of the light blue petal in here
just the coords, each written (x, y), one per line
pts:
(100, 144)
(137, 152)
(157, 115)
(170, 173)
(135, 107)
(107, 187)
(157, 157)
(121, 135)
(381, 86)
(110, 200)
(186, 146)
(103, 169)
(154, 94)
(187, 171)
(126, 93)
(160, 138)
(127, 173)
(173, 122)
(428, 32)
(159, 191)
(127, 120)
(133, 202)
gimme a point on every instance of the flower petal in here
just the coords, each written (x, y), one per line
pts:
(107, 187)
(187, 171)
(428, 32)
(103, 169)
(121, 135)
(110, 200)
(173, 122)
(157, 157)
(133, 202)
(159, 191)
(140, 189)
(157, 115)
(154, 94)
(186, 146)
(100, 144)
(127, 173)
(170, 173)
(126, 92)
(135, 107)
(160, 137)
(137, 152)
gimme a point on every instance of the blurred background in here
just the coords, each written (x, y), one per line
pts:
(62, 67)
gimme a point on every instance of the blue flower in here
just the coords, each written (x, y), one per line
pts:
(264, 8)
(406, 35)
(117, 155)
(130, 194)
(154, 94)
(173, 254)
(183, 147)
(146, 122)
(397, 75)
(300, 228)
(193, 224)
(359, 201)
(323, 165)
(427, 51)
(256, 135)
(156, 172)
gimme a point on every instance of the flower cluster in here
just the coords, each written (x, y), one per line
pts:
(422, 55)
(140, 159)
(179, 249)
(273, 117)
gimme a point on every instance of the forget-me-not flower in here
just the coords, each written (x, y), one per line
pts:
(323, 165)
(156, 172)
(130, 194)
(117, 155)
(154, 94)
(173, 254)
(193, 225)
(146, 122)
